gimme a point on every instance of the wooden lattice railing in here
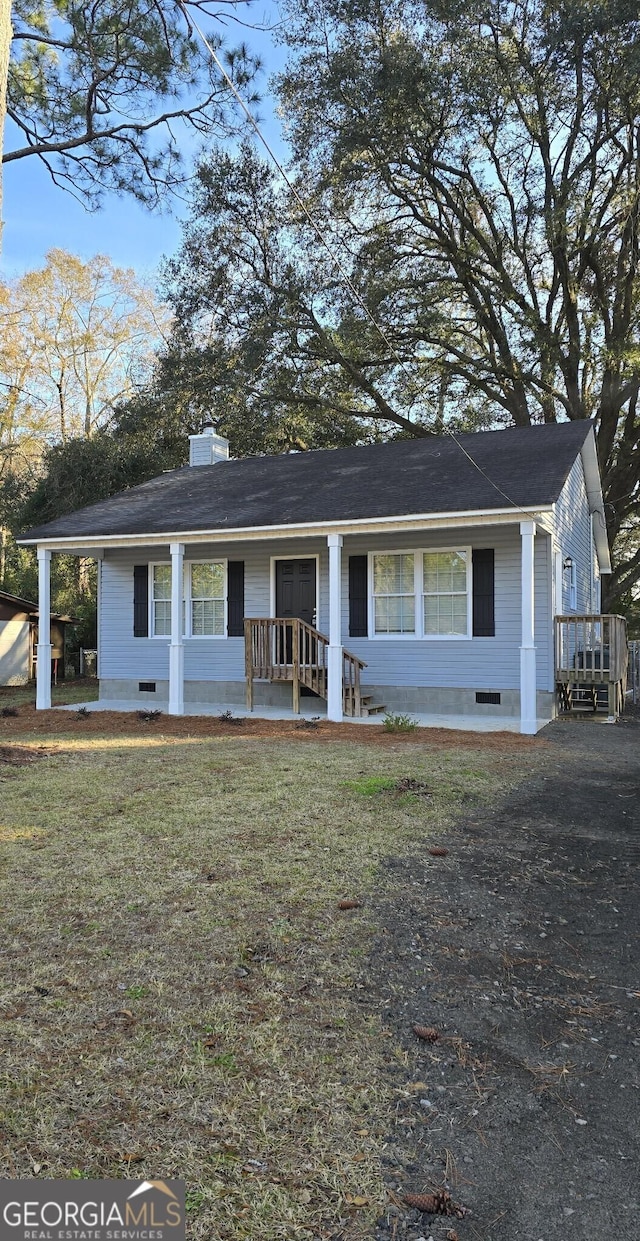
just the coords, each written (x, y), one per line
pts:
(288, 649)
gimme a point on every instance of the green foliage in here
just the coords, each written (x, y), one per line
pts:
(398, 723)
(110, 95)
(370, 786)
(474, 168)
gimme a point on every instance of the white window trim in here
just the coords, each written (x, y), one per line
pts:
(159, 637)
(186, 601)
(418, 586)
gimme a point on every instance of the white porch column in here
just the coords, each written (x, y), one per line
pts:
(334, 652)
(43, 665)
(176, 647)
(528, 696)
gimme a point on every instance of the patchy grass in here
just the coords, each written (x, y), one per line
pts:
(84, 689)
(182, 995)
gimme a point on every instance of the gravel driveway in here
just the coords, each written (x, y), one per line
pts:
(520, 949)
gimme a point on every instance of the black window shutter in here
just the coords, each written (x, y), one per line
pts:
(358, 602)
(235, 599)
(484, 619)
(141, 601)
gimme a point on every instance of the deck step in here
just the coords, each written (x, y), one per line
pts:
(586, 699)
(372, 708)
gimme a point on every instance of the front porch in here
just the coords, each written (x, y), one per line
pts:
(387, 638)
(310, 709)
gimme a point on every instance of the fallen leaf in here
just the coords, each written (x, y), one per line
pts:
(124, 1012)
(349, 904)
(356, 1200)
(438, 851)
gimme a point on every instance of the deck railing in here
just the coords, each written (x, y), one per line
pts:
(288, 649)
(591, 649)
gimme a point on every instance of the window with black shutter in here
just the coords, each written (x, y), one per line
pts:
(484, 620)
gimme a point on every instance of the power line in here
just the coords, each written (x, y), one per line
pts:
(192, 23)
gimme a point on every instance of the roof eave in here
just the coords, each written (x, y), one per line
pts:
(362, 525)
(589, 455)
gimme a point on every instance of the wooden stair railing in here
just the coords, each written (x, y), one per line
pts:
(288, 649)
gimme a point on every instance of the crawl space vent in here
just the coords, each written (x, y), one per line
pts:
(492, 699)
(147, 687)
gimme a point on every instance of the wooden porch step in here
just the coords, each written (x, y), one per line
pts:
(368, 707)
(585, 699)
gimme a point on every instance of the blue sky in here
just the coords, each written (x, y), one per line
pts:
(38, 215)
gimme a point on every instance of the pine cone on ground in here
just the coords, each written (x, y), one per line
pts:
(428, 1033)
(438, 1203)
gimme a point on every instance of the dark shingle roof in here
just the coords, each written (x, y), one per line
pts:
(432, 475)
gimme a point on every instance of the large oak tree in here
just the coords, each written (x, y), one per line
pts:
(476, 169)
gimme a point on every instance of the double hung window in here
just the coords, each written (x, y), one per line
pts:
(207, 599)
(204, 599)
(445, 594)
(394, 597)
(424, 594)
(161, 600)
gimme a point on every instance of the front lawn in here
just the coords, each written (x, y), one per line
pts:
(181, 994)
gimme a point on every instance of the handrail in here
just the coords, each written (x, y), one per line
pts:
(591, 649)
(288, 649)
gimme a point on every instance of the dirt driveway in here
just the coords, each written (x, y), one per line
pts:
(520, 948)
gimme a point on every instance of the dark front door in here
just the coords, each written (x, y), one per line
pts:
(296, 589)
(296, 596)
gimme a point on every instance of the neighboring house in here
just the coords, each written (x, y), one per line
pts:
(419, 575)
(19, 637)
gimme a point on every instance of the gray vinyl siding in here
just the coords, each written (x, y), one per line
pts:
(205, 659)
(573, 538)
(475, 663)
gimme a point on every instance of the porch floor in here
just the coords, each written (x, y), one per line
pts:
(309, 708)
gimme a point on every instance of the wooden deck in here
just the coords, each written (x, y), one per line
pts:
(290, 650)
(591, 663)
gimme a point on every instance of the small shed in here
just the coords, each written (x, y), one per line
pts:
(19, 636)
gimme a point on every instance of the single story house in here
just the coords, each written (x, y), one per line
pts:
(417, 576)
(19, 640)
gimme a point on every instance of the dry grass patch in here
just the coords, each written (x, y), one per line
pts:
(182, 995)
